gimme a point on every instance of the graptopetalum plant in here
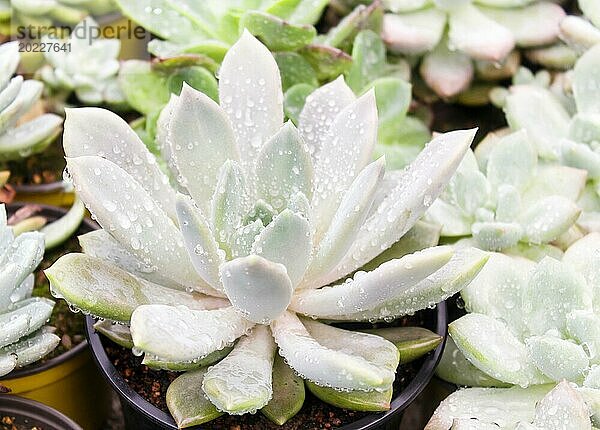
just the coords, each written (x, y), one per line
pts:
(23, 339)
(87, 66)
(20, 137)
(458, 39)
(565, 129)
(528, 324)
(269, 234)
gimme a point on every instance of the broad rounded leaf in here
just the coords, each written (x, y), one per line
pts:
(415, 32)
(556, 358)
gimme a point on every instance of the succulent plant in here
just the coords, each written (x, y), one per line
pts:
(87, 66)
(562, 123)
(269, 214)
(21, 136)
(460, 39)
(563, 406)
(23, 339)
(582, 32)
(506, 199)
(527, 325)
(14, 13)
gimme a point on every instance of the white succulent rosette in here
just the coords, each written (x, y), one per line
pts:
(529, 325)
(23, 338)
(563, 124)
(21, 136)
(88, 66)
(461, 39)
(269, 218)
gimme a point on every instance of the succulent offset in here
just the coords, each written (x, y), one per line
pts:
(23, 339)
(527, 325)
(460, 39)
(20, 135)
(89, 67)
(273, 225)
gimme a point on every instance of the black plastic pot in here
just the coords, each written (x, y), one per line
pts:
(66, 382)
(34, 414)
(141, 415)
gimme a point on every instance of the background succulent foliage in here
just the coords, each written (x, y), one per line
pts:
(270, 214)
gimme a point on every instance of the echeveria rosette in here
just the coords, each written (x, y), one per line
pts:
(267, 215)
(88, 67)
(20, 136)
(507, 200)
(15, 13)
(529, 325)
(564, 127)
(23, 338)
(459, 39)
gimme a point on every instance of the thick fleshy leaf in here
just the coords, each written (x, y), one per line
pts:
(242, 381)
(124, 208)
(556, 358)
(512, 161)
(443, 283)
(320, 110)
(456, 369)
(275, 33)
(368, 60)
(489, 345)
(7, 363)
(60, 230)
(24, 318)
(415, 32)
(584, 128)
(584, 327)
(186, 401)
(496, 236)
(473, 33)
(447, 72)
(118, 333)
(470, 189)
(505, 407)
(393, 96)
(228, 205)
(248, 280)
(29, 138)
(250, 94)
(540, 113)
(143, 87)
(553, 291)
(423, 181)
(349, 217)
(412, 342)
(563, 407)
(554, 180)
(201, 139)
(283, 168)
(326, 366)
(294, 101)
(99, 288)
(516, 20)
(558, 56)
(184, 366)
(288, 393)
(32, 348)
(584, 257)
(349, 148)
(579, 33)
(101, 244)
(86, 135)
(286, 240)
(157, 330)
(452, 219)
(300, 12)
(547, 219)
(591, 9)
(585, 82)
(328, 62)
(367, 290)
(201, 245)
(367, 401)
(295, 70)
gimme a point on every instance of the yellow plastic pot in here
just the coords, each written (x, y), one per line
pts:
(53, 194)
(69, 383)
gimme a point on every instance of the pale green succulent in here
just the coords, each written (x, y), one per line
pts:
(20, 137)
(506, 199)
(23, 339)
(527, 324)
(565, 128)
(582, 32)
(89, 67)
(460, 39)
(15, 13)
(268, 215)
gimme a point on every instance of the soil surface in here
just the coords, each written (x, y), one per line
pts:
(13, 423)
(315, 415)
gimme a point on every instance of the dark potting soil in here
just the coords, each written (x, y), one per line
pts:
(17, 423)
(38, 169)
(315, 415)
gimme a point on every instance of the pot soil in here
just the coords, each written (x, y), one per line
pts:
(66, 379)
(17, 413)
(142, 390)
